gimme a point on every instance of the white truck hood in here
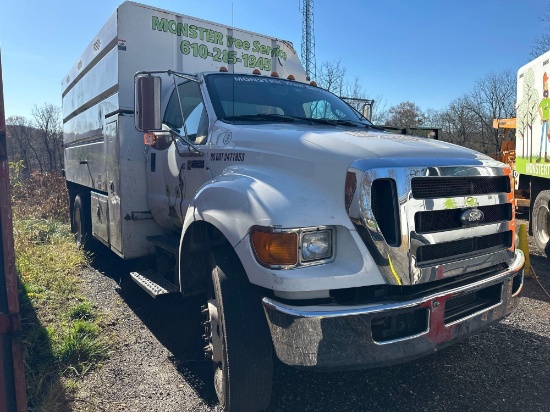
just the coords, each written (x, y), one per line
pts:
(308, 143)
(304, 165)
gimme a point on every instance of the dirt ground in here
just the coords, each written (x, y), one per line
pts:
(153, 368)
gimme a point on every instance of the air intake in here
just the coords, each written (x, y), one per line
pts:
(437, 187)
(385, 207)
(449, 251)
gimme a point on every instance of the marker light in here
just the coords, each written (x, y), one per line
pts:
(223, 69)
(149, 139)
(274, 74)
(312, 83)
(291, 77)
(256, 71)
(275, 248)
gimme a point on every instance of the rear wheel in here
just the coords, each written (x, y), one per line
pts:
(82, 225)
(237, 336)
(541, 222)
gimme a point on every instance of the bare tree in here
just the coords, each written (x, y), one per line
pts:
(38, 144)
(332, 77)
(47, 120)
(22, 144)
(433, 118)
(405, 114)
(493, 97)
(380, 110)
(458, 124)
(542, 43)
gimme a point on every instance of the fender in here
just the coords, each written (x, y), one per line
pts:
(243, 197)
(254, 195)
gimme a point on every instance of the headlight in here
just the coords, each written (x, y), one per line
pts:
(289, 248)
(316, 245)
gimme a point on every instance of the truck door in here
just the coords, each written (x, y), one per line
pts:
(178, 172)
(112, 155)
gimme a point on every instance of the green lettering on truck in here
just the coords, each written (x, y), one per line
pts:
(172, 26)
(182, 29)
(161, 25)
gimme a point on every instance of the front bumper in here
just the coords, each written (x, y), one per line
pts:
(341, 337)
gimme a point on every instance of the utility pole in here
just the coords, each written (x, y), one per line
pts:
(12, 372)
(308, 40)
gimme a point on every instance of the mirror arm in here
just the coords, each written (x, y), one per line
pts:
(183, 76)
(186, 142)
(181, 109)
(186, 138)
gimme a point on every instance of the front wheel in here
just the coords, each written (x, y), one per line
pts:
(541, 222)
(237, 336)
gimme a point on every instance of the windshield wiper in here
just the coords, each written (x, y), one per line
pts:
(336, 122)
(340, 122)
(260, 117)
(355, 123)
(274, 117)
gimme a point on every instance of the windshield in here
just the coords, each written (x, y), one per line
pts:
(242, 98)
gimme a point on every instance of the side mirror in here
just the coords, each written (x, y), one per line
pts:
(147, 92)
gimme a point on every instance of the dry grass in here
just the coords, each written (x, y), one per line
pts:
(42, 196)
(61, 329)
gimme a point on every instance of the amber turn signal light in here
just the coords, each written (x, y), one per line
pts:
(275, 248)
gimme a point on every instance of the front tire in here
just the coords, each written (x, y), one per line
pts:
(237, 336)
(541, 222)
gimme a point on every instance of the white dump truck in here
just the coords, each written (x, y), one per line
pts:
(310, 234)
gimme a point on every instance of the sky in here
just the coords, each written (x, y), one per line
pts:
(429, 52)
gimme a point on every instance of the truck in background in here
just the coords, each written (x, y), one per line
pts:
(532, 154)
(308, 232)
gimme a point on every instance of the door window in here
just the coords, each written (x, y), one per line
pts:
(192, 107)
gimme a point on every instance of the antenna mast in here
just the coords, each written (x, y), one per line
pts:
(308, 39)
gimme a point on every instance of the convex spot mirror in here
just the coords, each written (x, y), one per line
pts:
(147, 115)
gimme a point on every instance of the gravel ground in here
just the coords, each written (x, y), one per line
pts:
(153, 368)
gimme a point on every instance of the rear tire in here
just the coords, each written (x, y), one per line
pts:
(237, 336)
(82, 225)
(541, 222)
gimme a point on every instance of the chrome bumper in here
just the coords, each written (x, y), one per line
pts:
(341, 337)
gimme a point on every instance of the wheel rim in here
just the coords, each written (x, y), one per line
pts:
(542, 220)
(78, 227)
(212, 332)
(213, 338)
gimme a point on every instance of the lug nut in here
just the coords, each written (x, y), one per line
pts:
(208, 353)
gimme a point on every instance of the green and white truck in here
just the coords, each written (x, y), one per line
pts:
(532, 163)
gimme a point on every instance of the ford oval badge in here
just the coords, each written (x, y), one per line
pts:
(472, 217)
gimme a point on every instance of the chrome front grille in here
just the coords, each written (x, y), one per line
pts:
(438, 187)
(449, 219)
(478, 245)
(435, 241)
